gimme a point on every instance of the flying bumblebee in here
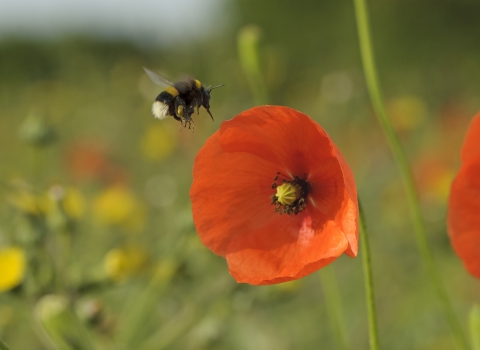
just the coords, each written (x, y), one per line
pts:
(180, 99)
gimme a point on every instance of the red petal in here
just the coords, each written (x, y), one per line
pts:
(471, 148)
(301, 146)
(464, 216)
(349, 225)
(287, 249)
(464, 203)
(278, 134)
(467, 246)
(327, 187)
(350, 222)
(231, 194)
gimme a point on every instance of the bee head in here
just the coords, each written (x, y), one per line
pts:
(206, 98)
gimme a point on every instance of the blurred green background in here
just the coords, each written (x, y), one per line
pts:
(94, 203)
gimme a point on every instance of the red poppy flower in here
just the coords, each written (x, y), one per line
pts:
(464, 203)
(273, 195)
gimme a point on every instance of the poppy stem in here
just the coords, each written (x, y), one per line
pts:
(136, 313)
(3, 346)
(249, 53)
(373, 86)
(368, 276)
(333, 303)
(475, 327)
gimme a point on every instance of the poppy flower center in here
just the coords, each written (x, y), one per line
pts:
(291, 195)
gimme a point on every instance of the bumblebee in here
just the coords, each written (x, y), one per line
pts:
(180, 99)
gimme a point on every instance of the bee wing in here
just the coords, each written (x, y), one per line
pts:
(157, 78)
(185, 84)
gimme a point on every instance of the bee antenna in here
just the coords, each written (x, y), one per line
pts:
(210, 89)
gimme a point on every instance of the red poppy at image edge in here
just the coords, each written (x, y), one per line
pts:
(464, 202)
(232, 195)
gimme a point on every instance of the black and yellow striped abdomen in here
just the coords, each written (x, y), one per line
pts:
(167, 97)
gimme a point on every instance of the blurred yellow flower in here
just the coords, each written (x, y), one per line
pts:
(434, 176)
(71, 201)
(157, 142)
(117, 205)
(121, 263)
(165, 270)
(12, 266)
(443, 184)
(407, 112)
(26, 202)
(74, 203)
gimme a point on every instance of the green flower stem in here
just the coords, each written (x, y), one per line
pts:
(197, 307)
(3, 346)
(369, 292)
(475, 327)
(60, 323)
(248, 50)
(333, 304)
(62, 259)
(131, 328)
(136, 313)
(401, 160)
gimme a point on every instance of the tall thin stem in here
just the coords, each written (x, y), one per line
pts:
(401, 160)
(250, 59)
(368, 277)
(333, 304)
(3, 346)
(475, 327)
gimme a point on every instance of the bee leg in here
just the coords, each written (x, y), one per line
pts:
(190, 110)
(180, 110)
(191, 124)
(187, 117)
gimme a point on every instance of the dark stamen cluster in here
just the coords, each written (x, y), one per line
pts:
(303, 188)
